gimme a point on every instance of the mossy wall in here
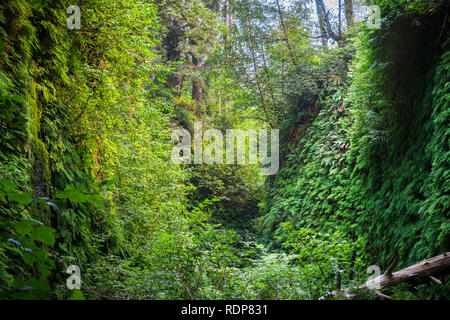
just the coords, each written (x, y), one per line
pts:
(374, 161)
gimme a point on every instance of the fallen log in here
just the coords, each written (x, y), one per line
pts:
(426, 270)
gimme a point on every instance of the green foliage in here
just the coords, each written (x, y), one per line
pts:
(373, 162)
(310, 189)
(86, 176)
(206, 262)
(236, 189)
(23, 239)
(396, 102)
(80, 108)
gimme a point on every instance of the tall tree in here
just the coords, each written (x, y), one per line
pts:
(283, 25)
(191, 33)
(172, 44)
(326, 28)
(321, 18)
(349, 15)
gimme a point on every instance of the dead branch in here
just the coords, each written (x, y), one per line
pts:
(422, 271)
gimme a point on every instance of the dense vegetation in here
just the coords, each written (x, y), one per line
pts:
(87, 115)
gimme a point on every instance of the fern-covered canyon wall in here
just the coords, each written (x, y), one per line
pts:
(69, 102)
(372, 161)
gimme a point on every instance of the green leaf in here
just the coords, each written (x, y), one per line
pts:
(7, 185)
(23, 227)
(20, 197)
(77, 197)
(77, 295)
(43, 269)
(29, 258)
(44, 234)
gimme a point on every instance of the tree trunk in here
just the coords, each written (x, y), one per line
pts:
(340, 19)
(349, 15)
(322, 25)
(285, 33)
(426, 270)
(197, 89)
(172, 44)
